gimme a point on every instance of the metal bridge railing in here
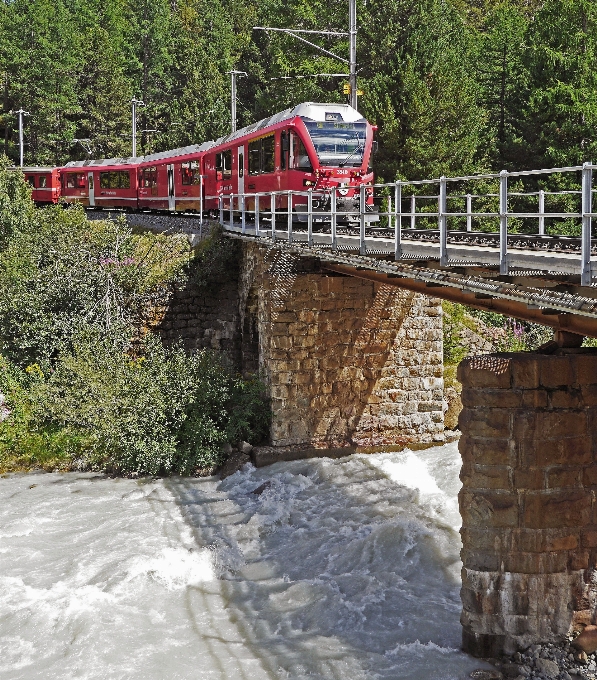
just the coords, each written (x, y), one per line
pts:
(482, 204)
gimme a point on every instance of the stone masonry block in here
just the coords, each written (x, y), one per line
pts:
(564, 477)
(526, 371)
(585, 369)
(556, 372)
(554, 509)
(485, 372)
(565, 398)
(488, 508)
(547, 452)
(486, 451)
(472, 398)
(485, 422)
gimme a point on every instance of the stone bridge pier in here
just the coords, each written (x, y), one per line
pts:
(347, 362)
(529, 498)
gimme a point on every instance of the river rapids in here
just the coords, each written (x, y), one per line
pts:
(337, 569)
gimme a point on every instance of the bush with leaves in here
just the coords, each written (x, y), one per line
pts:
(78, 379)
(160, 412)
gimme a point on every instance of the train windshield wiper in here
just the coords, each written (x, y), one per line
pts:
(360, 145)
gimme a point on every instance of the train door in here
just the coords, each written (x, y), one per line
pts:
(241, 169)
(171, 198)
(91, 189)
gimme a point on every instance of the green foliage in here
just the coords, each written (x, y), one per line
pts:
(455, 86)
(161, 412)
(454, 316)
(502, 333)
(214, 257)
(62, 272)
(80, 383)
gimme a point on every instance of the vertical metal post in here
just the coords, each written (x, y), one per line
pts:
(363, 198)
(503, 222)
(289, 208)
(257, 215)
(352, 33)
(413, 207)
(310, 218)
(587, 209)
(541, 212)
(233, 102)
(21, 142)
(231, 210)
(233, 76)
(398, 221)
(273, 210)
(469, 212)
(442, 222)
(243, 216)
(334, 219)
(135, 103)
(221, 206)
(200, 206)
(390, 213)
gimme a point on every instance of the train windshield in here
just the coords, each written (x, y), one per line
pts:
(338, 143)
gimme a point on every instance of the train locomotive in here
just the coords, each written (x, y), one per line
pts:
(311, 146)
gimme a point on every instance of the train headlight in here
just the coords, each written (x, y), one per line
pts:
(308, 183)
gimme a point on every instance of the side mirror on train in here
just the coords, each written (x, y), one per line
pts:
(375, 147)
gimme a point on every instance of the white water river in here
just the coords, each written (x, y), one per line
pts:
(344, 570)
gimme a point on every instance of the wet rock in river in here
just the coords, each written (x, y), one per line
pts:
(587, 640)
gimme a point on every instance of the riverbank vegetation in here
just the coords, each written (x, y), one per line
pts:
(454, 85)
(81, 384)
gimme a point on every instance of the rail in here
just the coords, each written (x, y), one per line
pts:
(538, 220)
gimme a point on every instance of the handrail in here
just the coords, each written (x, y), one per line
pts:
(263, 213)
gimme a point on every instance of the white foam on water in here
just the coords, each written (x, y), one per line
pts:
(338, 569)
(407, 469)
(177, 568)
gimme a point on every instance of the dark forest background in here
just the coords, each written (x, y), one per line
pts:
(454, 85)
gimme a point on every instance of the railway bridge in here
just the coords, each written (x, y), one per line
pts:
(341, 311)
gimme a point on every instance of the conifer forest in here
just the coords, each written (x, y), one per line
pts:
(453, 85)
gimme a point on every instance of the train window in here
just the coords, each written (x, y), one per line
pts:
(261, 155)
(149, 177)
(31, 180)
(227, 164)
(75, 180)
(43, 181)
(187, 174)
(117, 179)
(224, 165)
(267, 154)
(284, 149)
(301, 159)
(255, 157)
(196, 172)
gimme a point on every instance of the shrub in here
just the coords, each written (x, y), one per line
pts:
(79, 385)
(161, 412)
(63, 273)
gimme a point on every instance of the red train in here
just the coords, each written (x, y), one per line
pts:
(311, 146)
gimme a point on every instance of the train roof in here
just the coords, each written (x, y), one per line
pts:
(104, 162)
(313, 111)
(33, 168)
(173, 153)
